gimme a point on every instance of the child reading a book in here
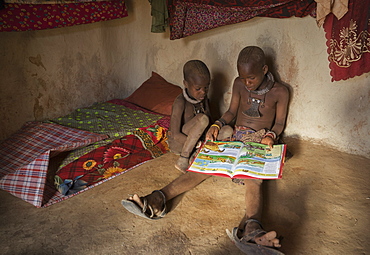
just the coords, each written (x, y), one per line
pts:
(190, 113)
(259, 107)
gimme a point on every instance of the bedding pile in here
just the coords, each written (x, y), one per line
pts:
(47, 162)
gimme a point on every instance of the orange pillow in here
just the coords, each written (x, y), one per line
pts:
(155, 94)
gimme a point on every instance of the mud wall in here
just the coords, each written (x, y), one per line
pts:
(49, 73)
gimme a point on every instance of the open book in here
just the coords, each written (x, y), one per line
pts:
(235, 159)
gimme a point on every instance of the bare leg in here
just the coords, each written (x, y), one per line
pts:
(194, 130)
(183, 184)
(253, 200)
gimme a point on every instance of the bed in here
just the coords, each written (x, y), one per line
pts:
(47, 162)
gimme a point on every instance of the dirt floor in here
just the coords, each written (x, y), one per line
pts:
(321, 206)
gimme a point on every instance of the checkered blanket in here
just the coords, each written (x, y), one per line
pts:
(24, 157)
(28, 168)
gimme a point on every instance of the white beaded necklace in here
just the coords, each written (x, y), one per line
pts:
(198, 105)
(188, 98)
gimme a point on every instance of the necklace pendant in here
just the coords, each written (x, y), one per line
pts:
(253, 111)
(198, 108)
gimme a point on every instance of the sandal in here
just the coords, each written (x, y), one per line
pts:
(147, 210)
(247, 245)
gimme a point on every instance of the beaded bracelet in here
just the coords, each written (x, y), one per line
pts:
(222, 121)
(270, 134)
(215, 125)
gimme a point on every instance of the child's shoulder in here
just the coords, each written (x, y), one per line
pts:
(281, 86)
(180, 99)
(280, 89)
(238, 84)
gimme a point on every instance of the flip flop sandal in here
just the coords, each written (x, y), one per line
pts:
(246, 245)
(147, 210)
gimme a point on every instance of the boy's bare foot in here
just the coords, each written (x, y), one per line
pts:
(254, 232)
(182, 164)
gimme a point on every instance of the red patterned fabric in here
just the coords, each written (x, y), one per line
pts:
(25, 17)
(122, 154)
(188, 17)
(348, 41)
(109, 161)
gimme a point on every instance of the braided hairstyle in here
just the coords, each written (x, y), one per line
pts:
(195, 68)
(251, 54)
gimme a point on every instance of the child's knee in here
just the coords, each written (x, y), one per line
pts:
(203, 120)
(225, 132)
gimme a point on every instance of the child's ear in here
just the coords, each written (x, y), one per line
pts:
(185, 84)
(265, 69)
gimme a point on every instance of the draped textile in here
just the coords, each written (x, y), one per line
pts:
(114, 158)
(26, 17)
(105, 118)
(159, 14)
(338, 7)
(24, 157)
(188, 17)
(348, 41)
(50, 1)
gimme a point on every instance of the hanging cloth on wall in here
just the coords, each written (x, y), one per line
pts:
(348, 41)
(159, 14)
(188, 17)
(27, 17)
(50, 1)
(338, 7)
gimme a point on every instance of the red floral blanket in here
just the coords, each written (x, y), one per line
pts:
(113, 159)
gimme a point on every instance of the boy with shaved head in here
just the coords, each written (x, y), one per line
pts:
(259, 107)
(190, 112)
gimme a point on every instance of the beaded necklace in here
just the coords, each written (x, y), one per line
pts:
(198, 105)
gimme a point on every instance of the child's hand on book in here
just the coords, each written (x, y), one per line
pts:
(212, 132)
(268, 141)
